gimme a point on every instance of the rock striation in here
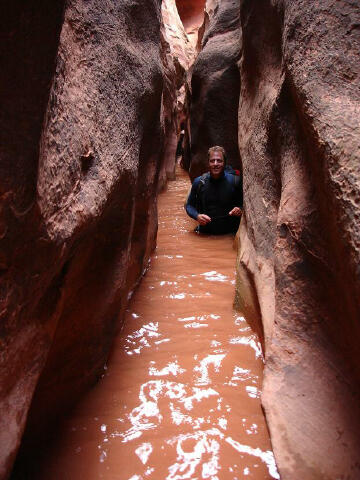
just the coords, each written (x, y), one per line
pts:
(81, 90)
(214, 85)
(298, 264)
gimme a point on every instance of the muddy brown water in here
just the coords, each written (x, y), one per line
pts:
(180, 397)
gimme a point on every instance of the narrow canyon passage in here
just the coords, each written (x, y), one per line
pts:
(180, 397)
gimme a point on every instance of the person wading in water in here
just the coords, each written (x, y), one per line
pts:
(216, 199)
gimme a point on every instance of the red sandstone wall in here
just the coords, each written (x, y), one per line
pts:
(300, 238)
(215, 87)
(191, 13)
(25, 79)
(177, 53)
(79, 168)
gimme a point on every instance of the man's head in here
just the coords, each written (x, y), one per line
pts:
(217, 160)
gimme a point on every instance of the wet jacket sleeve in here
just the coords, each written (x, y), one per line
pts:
(191, 201)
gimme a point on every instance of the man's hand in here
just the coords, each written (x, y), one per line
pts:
(203, 219)
(236, 212)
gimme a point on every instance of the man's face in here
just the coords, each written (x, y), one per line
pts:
(216, 164)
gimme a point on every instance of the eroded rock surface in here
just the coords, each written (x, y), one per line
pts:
(177, 54)
(300, 238)
(78, 213)
(192, 16)
(215, 88)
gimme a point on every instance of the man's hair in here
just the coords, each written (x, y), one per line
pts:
(217, 148)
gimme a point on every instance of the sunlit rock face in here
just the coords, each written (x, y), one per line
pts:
(177, 54)
(215, 88)
(180, 48)
(192, 16)
(81, 97)
(300, 238)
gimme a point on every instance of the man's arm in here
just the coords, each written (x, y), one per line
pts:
(237, 210)
(191, 201)
(191, 204)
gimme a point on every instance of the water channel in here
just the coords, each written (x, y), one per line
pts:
(180, 397)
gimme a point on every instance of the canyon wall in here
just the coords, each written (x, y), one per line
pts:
(81, 90)
(177, 53)
(298, 264)
(191, 13)
(214, 86)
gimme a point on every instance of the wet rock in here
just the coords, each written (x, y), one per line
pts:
(79, 168)
(300, 237)
(215, 87)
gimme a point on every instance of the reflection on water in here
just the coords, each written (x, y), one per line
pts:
(180, 399)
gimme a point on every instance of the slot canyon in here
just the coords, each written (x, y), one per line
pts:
(131, 347)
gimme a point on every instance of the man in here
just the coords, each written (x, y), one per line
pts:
(216, 199)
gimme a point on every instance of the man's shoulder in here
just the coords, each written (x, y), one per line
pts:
(232, 171)
(201, 178)
(233, 177)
